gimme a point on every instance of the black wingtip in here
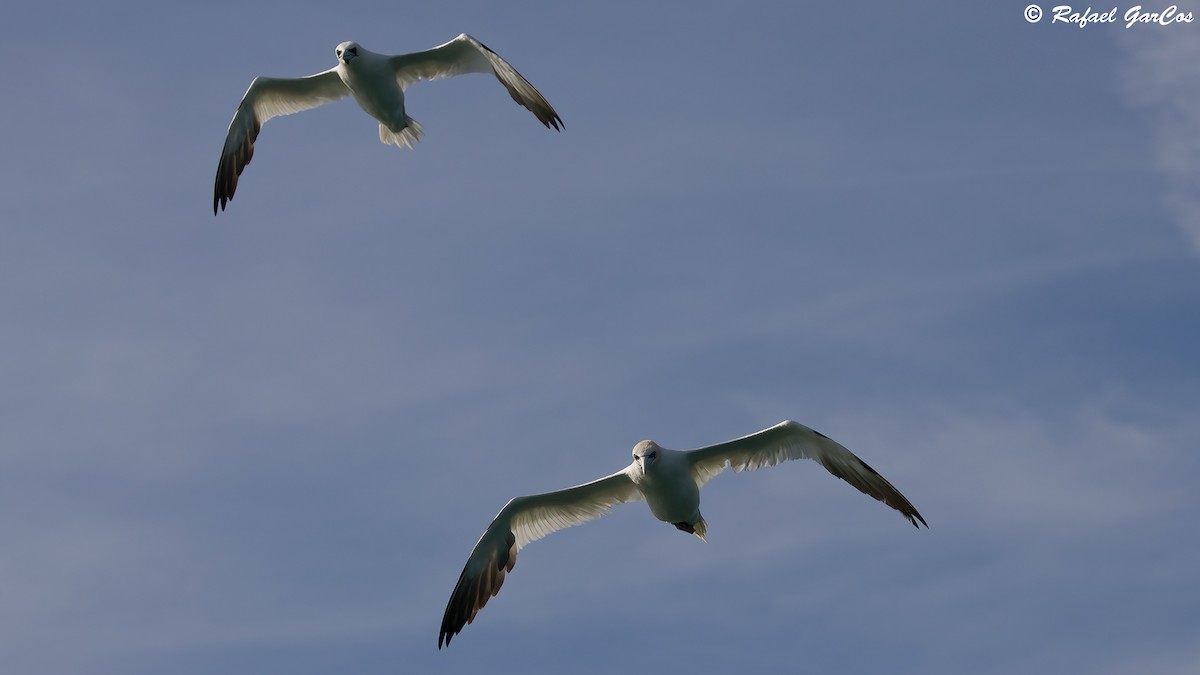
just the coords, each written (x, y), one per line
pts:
(445, 635)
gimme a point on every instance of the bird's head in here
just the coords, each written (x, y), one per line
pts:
(347, 52)
(645, 454)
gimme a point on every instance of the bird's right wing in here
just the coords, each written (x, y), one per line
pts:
(268, 97)
(521, 521)
(464, 54)
(792, 440)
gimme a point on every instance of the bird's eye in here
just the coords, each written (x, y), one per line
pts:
(339, 52)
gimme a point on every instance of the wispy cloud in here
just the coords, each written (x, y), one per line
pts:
(1162, 74)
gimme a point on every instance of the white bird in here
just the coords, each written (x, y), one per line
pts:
(377, 82)
(669, 481)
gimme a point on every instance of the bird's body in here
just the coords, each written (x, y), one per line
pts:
(371, 79)
(669, 481)
(377, 83)
(667, 485)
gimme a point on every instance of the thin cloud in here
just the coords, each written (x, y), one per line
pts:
(1162, 75)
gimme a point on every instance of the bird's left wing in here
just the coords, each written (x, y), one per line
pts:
(268, 97)
(792, 440)
(464, 54)
(523, 520)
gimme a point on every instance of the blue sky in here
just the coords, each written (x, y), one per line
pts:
(964, 245)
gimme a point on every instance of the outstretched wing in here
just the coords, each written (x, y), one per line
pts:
(522, 520)
(268, 97)
(465, 54)
(791, 440)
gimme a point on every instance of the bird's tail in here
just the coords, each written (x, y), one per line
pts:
(701, 528)
(405, 138)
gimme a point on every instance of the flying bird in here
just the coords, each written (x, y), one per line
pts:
(377, 82)
(669, 481)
